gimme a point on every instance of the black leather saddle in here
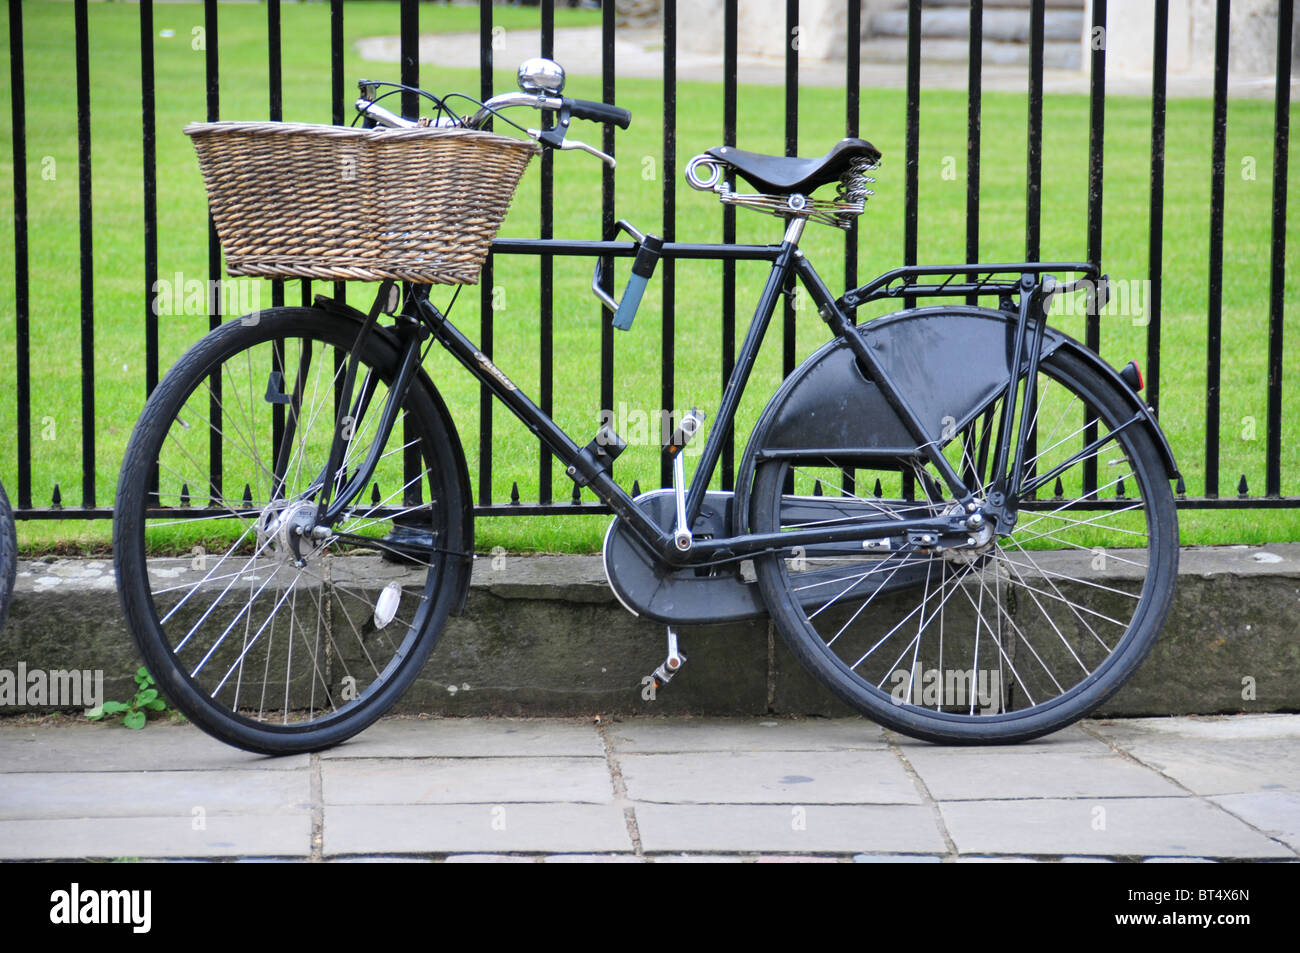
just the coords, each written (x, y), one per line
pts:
(781, 175)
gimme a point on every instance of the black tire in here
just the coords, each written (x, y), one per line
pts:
(8, 554)
(308, 665)
(1064, 635)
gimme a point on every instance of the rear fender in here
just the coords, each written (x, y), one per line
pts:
(949, 361)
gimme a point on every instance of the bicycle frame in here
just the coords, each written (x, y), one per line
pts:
(788, 264)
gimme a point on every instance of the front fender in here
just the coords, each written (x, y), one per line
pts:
(949, 361)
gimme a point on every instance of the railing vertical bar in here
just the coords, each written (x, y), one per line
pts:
(275, 110)
(22, 331)
(546, 272)
(212, 84)
(852, 128)
(337, 81)
(486, 276)
(669, 170)
(607, 203)
(1277, 276)
(730, 29)
(149, 162)
(1156, 231)
(1096, 165)
(275, 97)
(149, 174)
(337, 78)
(974, 112)
(82, 41)
(409, 53)
(1034, 161)
(1034, 181)
(852, 119)
(1215, 312)
(911, 186)
(912, 147)
(791, 149)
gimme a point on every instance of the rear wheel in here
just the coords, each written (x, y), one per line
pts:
(268, 639)
(1009, 634)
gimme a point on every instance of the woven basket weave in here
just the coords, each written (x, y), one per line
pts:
(293, 200)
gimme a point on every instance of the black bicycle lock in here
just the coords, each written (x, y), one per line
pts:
(643, 267)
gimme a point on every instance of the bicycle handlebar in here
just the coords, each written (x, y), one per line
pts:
(599, 112)
(581, 108)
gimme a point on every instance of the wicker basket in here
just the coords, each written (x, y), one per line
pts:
(292, 200)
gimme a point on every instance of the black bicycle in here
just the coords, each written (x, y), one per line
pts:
(958, 517)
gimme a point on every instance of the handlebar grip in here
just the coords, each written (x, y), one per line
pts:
(599, 112)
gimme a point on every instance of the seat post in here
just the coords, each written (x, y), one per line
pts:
(794, 230)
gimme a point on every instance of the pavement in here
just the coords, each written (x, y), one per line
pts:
(662, 790)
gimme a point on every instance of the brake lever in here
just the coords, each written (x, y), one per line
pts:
(575, 144)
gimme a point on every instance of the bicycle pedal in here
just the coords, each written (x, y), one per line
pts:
(672, 664)
(689, 427)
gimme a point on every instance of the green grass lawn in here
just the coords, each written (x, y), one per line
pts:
(118, 241)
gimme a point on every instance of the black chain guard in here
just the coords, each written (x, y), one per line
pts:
(690, 596)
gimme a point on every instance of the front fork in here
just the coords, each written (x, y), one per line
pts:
(331, 494)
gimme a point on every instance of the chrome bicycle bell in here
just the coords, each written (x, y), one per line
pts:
(541, 76)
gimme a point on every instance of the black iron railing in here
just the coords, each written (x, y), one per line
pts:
(90, 505)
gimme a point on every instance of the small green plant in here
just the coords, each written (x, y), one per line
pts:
(135, 712)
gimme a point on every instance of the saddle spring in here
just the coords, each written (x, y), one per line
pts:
(851, 193)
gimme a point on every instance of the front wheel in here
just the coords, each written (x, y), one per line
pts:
(266, 635)
(1010, 634)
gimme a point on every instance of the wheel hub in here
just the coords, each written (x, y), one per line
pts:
(979, 537)
(284, 531)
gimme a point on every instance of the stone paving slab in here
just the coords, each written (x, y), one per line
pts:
(1229, 755)
(654, 735)
(475, 828)
(1029, 771)
(816, 828)
(101, 747)
(465, 780)
(767, 777)
(472, 738)
(755, 790)
(162, 837)
(175, 794)
(593, 859)
(1137, 827)
(478, 859)
(1276, 813)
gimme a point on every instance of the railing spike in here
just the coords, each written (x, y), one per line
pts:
(248, 495)
(1059, 489)
(636, 488)
(56, 499)
(514, 492)
(374, 494)
(817, 488)
(1243, 490)
(185, 494)
(879, 492)
(577, 495)
(1119, 489)
(1180, 488)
